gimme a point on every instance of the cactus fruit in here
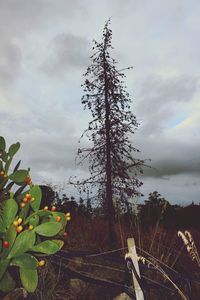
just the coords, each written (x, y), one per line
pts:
(6, 244)
(41, 263)
(58, 219)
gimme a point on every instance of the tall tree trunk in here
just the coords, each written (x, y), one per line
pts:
(110, 207)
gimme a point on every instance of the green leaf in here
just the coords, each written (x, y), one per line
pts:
(44, 213)
(29, 279)
(46, 247)
(2, 143)
(7, 283)
(36, 193)
(7, 165)
(34, 221)
(48, 229)
(24, 211)
(39, 213)
(10, 236)
(4, 156)
(18, 176)
(13, 149)
(23, 242)
(59, 243)
(3, 266)
(25, 261)
(11, 195)
(8, 213)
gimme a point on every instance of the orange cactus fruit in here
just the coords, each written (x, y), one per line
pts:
(23, 205)
(41, 263)
(68, 218)
(30, 227)
(32, 199)
(58, 218)
(25, 200)
(19, 229)
(53, 208)
(28, 196)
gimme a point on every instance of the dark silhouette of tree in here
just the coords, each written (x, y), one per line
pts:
(89, 205)
(113, 168)
(155, 210)
(69, 205)
(81, 207)
(188, 217)
(48, 195)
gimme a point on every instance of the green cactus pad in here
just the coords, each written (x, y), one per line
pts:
(13, 149)
(35, 192)
(48, 229)
(18, 176)
(23, 242)
(8, 212)
(25, 261)
(2, 143)
(29, 279)
(46, 247)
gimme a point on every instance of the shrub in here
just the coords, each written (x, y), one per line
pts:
(27, 232)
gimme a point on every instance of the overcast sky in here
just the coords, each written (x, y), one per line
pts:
(44, 50)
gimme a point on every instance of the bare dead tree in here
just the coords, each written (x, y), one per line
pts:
(114, 170)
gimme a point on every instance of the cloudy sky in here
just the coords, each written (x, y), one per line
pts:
(44, 50)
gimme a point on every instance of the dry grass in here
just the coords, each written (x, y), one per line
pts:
(157, 245)
(160, 247)
(190, 246)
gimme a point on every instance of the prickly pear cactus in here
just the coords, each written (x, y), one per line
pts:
(27, 231)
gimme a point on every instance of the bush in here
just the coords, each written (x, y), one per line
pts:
(27, 232)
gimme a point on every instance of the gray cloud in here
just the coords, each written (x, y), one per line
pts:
(176, 188)
(66, 51)
(161, 105)
(169, 156)
(22, 17)
(10, 63)
(159, 100)
(165, 168)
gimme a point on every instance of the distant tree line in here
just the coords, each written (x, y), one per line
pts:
(155, 210)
